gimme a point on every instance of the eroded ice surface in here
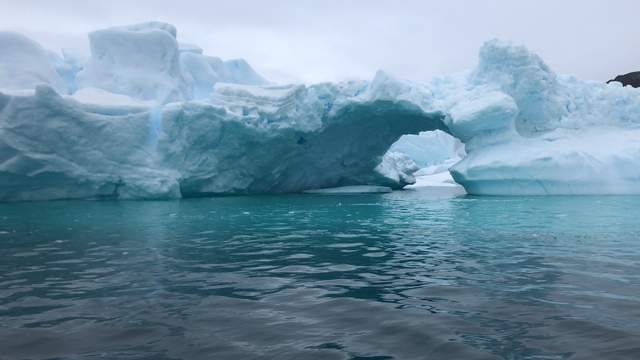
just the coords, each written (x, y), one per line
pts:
(145, 116)
(546, 134)
(354, 189)
(432, 153)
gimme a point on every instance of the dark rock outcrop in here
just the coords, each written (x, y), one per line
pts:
(632, 78)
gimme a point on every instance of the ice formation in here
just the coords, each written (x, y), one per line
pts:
(145, 116)
(432, 153)
(25, 64)
(145, 61)
(354, 189)
(548, 134)
(429, 148)
(141, 61)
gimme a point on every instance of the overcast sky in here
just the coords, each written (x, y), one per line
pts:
(326, 40)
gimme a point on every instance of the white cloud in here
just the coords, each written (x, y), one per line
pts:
(334, 40)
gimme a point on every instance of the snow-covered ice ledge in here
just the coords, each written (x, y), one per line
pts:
(188, 124)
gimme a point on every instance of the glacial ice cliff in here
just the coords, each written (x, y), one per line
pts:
(148, 117)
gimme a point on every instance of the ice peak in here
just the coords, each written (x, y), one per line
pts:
(505, 62)
(148, 26)
(24, 64)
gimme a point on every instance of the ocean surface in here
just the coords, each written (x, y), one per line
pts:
(415, 274)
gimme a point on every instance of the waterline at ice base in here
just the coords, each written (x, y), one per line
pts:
(146, 117)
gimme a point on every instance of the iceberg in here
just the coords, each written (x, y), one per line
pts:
(147, 117)
(25, 64)
(246, 140)
(141, 61)
(146, 62)
(543, 133)
(53, 147)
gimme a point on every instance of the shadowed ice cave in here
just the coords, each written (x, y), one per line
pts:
(346, 151)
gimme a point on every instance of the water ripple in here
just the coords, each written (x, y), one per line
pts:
(405, 275)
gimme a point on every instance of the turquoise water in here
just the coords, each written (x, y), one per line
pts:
(406, 275)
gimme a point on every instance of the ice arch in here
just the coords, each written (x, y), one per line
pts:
(428, 157)
(346, 149)
(188, 124)
(171, 122)
(269, 140)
